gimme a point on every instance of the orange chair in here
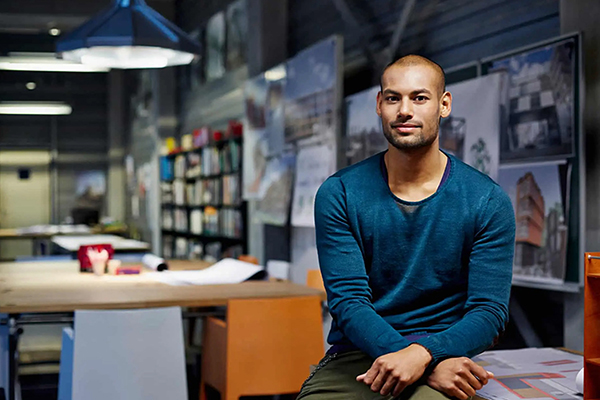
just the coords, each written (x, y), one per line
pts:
(248, 258)
(314, 279)
(266, 347)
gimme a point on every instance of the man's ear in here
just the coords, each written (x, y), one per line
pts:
(378, 105)
(446, 104)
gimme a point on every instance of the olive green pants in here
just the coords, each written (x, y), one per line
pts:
(335, 379)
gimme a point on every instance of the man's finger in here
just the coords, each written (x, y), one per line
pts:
(473, 381)
(361, 377)
(379, 381)
(389, 385)
(479, 372)
(370, 375)
(400, 386)
(464, 386)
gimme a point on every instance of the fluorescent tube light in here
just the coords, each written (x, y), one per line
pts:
(34, 108)
(44, 62)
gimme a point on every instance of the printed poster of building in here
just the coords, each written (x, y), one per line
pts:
(263, 127)
(310, 103)
(364, 134)
(539, 111)
(539, 196)
(472, 131)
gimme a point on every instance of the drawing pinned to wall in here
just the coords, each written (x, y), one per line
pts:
(539, 196)
(364, 135)
(540, 120)
(255, 137)
(90, 189)
(313, 166)
(215, 47)
(264, 125)
(309, 93)
(472, 130)
(276, 190)
(237, 32)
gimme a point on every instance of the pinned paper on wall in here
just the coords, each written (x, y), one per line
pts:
(313, 166)
(472, 130)
(276, 190)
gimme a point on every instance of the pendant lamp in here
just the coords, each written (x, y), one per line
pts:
(129, 34)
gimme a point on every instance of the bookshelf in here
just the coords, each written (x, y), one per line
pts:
(591, 340)
(202, 212)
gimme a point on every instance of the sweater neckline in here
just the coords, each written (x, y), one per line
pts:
(450, 164)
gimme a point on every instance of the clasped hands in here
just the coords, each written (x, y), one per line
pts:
(455, 377)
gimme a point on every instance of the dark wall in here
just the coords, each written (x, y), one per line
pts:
(451, 32)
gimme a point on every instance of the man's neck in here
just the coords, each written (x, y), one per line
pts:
(415, 174)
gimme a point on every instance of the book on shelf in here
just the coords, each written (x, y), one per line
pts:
(201, 197)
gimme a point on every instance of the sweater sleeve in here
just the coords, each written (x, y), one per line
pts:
(344, 274)
(489, 283)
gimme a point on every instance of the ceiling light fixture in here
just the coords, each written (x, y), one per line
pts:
(34, 108)
(54, 31)
(129, 34)
(44, 62)
(30, 85)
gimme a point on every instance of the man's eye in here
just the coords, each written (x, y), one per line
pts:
(391, 98)
(420, 98)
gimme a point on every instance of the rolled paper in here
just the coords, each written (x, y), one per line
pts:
(579, 381)
(154, 262)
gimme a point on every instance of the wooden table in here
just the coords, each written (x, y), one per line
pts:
(40, 287)
(50, 287)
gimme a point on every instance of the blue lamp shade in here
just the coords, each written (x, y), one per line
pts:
(129, 34)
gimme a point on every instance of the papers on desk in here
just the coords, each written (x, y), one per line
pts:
(54, 230)
(225, 271)
(544, 373)
(72, 243)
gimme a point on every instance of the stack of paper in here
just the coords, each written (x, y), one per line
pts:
(225, 271)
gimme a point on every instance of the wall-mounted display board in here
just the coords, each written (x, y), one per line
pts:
(291, 110)
(541, 162)
(292, 125)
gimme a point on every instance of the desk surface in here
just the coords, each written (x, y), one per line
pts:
(60, 287)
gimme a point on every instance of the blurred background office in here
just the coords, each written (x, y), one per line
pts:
(220, 153)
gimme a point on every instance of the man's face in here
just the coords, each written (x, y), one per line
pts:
(410, 106)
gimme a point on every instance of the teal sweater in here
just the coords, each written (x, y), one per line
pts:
(439, 267)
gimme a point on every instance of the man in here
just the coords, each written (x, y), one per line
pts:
(415, 249)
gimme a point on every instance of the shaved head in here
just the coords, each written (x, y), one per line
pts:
(413, 60)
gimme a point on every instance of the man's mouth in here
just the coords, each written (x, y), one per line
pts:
(405, 128)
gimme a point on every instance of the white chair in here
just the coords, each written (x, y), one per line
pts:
(124, 354)
(278, 269)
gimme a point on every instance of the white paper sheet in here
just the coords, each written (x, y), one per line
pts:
(313, 166)
(225, 271)
(72, 243)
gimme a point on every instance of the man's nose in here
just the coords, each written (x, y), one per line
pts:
(405, 111)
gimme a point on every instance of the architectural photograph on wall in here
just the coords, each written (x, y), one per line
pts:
(364, 136)
(538, 194)
(540, 109)
(471, 131)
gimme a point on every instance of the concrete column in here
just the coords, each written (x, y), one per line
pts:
(267, 47)
(115, 193)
